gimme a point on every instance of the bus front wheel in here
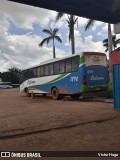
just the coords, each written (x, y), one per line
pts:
(27, 92)
(55, 94)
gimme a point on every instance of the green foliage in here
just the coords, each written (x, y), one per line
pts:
(89, 24)
(52, 35)
(115, 42)
(12, 75)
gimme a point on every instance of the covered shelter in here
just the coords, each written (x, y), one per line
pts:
(102, 10)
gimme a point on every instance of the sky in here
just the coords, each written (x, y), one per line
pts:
(21, 32)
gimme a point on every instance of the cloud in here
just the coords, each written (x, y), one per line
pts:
(22, 51)
(97, 24)
(103, 31)
(82, 21)
(89, 45)
(78, 39)
(59, 24)
(86, 44)
(23, 16)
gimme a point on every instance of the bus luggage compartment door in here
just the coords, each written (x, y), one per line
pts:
(96, 75)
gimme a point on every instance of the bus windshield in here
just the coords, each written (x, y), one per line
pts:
(95, 60)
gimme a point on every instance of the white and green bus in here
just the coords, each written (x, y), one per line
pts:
(72, 75)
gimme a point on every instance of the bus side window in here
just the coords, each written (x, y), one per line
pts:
(62, 67)
(30, 73)
(50, 69)
(42, 71)
(75, 63)
(34, 72)
(38, 71)
(46, 70)
(25, 75)
(68, 65)
(56, 68)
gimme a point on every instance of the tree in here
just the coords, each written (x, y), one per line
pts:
(52, 36)
(115, 42)
(0, 77)
(71, 22)
(12, 75)
(91, 23)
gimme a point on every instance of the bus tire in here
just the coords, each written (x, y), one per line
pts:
(75, 96)
(27, 92)
(44, 94)
(55, 94)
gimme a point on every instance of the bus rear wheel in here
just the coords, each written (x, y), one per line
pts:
(27, 92)
(55, 94)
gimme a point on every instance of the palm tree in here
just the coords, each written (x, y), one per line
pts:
(105, 44)
(71, 22)
(114, 41)
(91, 23)
(52, 36)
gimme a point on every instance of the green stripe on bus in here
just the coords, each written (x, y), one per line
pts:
(84, 88)
(58, 78)
(82, 59)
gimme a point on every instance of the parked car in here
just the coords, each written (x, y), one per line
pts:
(5, 85)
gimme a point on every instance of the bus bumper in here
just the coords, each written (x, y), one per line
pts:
(84, 88)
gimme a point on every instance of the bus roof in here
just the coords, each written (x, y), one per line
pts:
(51, 60)
(91, 53)
(57, 59)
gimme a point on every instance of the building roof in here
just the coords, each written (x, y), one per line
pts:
(102, 10)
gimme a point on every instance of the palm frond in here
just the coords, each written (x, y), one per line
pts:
(49, 39)
(55, 31)
(45, 40)
(114, 41)
(47, 31)
(114, 38)
(58, 39)
(90, 23)
(106, 50)
(105, 44)
(105, 40)
(52, 35)
(59, 15)
(118, 41)
(76, 20)
(68, 22)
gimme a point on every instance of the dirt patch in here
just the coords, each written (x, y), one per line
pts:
(45, 124)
